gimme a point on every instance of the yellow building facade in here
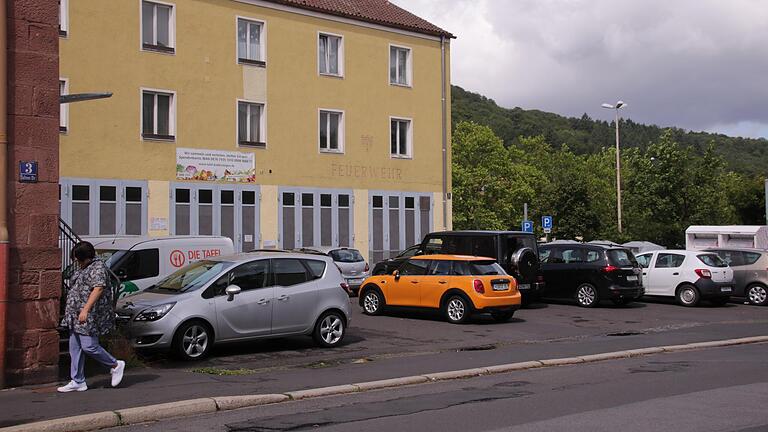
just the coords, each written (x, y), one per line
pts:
(268, 122)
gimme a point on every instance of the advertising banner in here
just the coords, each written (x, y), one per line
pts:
(215, 166)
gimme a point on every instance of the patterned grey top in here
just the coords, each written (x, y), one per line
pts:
(101, 318)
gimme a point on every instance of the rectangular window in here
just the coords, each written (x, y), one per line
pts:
(63, 17)
(133, 210)
(399, 65)
(107, 210)
(104, 207)
(400, 138)
(249, 42)
(249, 124)
(330, 52)
(63, 108)
(315, 217)
(158, 114)
(80, 213)
(332, 131)
(157, 26)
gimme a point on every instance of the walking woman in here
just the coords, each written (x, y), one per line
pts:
(88, 315)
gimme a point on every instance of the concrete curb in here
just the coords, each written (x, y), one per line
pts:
(108, 419)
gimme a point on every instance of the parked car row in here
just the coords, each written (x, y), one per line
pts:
(213, 298)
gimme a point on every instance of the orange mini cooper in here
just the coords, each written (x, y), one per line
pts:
(455, 284)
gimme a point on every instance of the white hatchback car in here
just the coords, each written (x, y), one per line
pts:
(689, 276)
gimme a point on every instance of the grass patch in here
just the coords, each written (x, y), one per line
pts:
(224, 372)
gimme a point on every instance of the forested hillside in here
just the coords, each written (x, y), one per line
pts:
(587, 136)
(565, 167)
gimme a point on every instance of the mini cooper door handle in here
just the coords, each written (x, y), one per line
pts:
(442, 282)
(414, 282)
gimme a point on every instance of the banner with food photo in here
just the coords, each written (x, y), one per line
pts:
(215, 166)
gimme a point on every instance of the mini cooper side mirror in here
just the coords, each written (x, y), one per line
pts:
(231, 291)
(396, 274)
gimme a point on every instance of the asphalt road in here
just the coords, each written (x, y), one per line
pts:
(720, 389)
(394, 345)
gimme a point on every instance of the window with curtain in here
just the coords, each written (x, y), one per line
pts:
(249, 124)
(331, 131)
(249, 49)
(157, 26)
(330, 54)
(399, 65)
(157, 115)
(400, 134)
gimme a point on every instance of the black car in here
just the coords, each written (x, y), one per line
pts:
(515, 251)
(590, 273)
(389, 265)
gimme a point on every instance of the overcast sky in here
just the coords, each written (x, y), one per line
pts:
(695, 64)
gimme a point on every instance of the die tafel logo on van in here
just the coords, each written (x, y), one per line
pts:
(177, 258)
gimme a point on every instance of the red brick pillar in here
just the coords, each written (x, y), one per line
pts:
(34, 277)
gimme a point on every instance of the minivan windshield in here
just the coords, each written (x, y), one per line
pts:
(621, 258)
(712, 260)
(192, 276)
(346, 255)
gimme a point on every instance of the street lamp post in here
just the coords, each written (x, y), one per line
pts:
(619, 105)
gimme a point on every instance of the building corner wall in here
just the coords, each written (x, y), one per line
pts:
(34, 273)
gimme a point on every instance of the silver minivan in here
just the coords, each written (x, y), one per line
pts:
(237, 298)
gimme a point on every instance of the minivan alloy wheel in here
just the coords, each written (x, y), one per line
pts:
(331, 329)
(195, 340)
(757, 295)
(586, 295)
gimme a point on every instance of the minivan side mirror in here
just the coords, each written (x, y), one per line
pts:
(396, 274)
(231, 291)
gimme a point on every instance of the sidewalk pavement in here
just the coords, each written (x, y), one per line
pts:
(149, 386)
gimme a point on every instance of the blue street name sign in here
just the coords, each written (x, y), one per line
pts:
(28, 171)
(528, 226)
(546, 223)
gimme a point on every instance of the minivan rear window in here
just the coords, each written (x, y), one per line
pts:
(712, 260)
(621, 258)
(346, 255)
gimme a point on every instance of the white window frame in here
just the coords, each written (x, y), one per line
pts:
(262, 124)
(262, 42)
(409, 144)
(340, 55)
(408, 66)
(64, 18)
(64, 108)
(171, 29)
(342, 131)
(171, 115)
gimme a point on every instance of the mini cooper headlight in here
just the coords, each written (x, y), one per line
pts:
(154, 313)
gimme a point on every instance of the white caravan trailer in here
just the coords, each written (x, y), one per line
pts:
(732, 236)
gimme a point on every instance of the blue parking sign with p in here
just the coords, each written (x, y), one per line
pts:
(528, 226)
(546, 222)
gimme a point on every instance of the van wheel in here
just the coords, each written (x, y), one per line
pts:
(192, 341)
(757, 295)
(688, 295)
(586, 295)
(372, 301)
(329, 329)
(456, 310)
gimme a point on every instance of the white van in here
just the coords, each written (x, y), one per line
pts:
(140, 262)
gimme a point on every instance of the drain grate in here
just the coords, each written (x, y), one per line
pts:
(626, 333)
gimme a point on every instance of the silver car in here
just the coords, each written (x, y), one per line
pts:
(750, 273)
(237, 298)
(353, 266)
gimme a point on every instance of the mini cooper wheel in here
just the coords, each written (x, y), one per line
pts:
(688, 295)
(456, 310)
(372, 302)
(757, 295)
(192, 341)
(586, 295)
(329, 330)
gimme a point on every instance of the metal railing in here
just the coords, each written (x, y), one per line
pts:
(67, 240)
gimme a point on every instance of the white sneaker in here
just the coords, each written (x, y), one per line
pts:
(72, 386)
(117, 373)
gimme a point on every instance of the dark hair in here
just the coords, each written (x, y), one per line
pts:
(83, 251)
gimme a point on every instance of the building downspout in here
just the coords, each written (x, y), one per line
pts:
(4, 237)
(445, 133)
